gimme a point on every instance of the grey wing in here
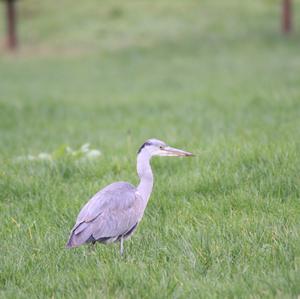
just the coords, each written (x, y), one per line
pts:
(111, 212)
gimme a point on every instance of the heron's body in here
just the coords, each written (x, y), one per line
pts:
(114, 213)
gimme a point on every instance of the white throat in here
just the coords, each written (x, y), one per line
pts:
(145, 174)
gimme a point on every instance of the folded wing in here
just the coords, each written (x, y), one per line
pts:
(109, 214)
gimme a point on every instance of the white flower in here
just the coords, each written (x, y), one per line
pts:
(30, 157)
(81, 154)
(93, 154)
(44, 156)
(69, 150)
(85, 147)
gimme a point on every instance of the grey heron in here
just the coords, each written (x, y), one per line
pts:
(114, 213)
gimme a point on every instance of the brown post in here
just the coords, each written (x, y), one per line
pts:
(286, 16)
(11, 24)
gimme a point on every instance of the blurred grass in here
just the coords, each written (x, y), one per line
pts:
(214, 78)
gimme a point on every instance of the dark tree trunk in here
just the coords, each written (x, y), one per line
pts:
(11, 24)
(286, 16)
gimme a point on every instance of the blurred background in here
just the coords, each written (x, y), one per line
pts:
(106, 71)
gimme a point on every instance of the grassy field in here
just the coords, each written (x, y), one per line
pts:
(213, 77)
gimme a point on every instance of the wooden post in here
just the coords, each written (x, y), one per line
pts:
(11, 24)
(286, 16)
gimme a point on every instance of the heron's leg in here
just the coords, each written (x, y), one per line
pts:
(121, 246)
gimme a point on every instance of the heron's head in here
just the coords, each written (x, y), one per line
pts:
(155, 147)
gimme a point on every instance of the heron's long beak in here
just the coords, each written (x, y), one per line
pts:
(171, 151)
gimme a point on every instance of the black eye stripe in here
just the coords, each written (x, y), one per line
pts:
(145, 144)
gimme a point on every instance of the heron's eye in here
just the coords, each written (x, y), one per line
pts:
(161, 147)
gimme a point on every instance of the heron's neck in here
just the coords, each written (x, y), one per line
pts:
(145, 174)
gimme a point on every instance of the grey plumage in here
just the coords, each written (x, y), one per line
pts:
(114, 212)
(108, 215)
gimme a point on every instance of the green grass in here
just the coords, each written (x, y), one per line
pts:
(213, 77)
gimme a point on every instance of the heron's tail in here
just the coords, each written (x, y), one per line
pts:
(80, 234)
(71, 243)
